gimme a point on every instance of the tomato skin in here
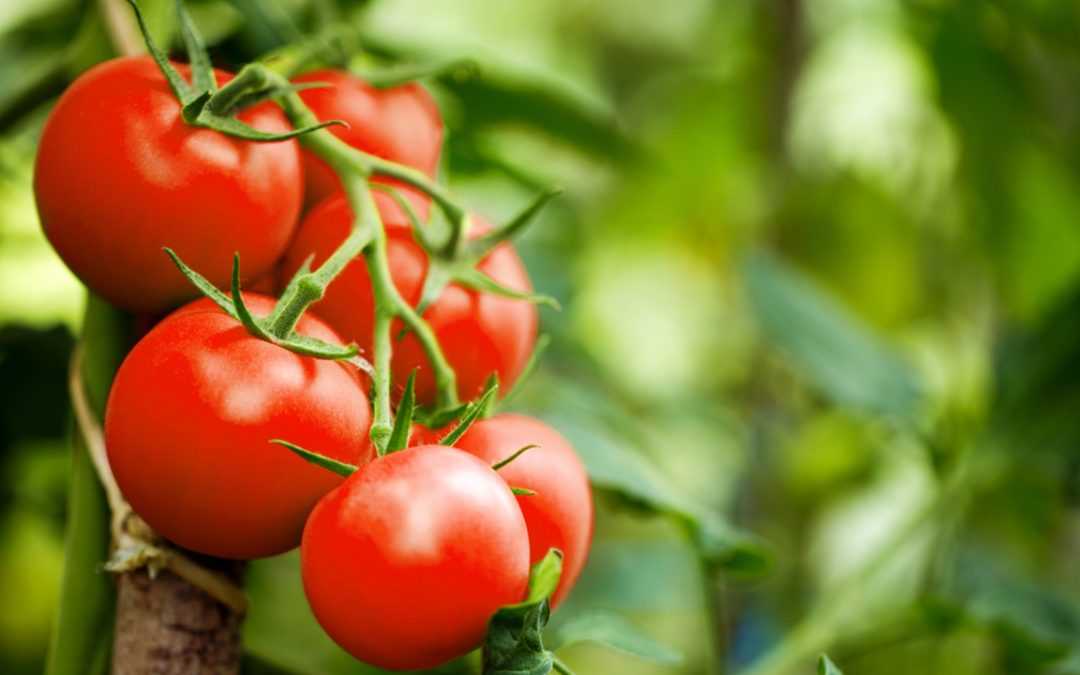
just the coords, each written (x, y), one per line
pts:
(188, 424)
(405, 563)
(401, 124)
(560, 514)
(480, 333)
(119, 175)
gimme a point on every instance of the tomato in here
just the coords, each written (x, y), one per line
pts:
(119, 175)
(405, 563)
(480, 333)
(189, 420)
(560, 514)
(401, 124)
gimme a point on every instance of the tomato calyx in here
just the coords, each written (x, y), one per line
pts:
(197, 98)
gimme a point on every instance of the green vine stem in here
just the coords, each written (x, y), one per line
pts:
(367, 237)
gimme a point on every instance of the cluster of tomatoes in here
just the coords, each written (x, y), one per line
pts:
(403, 562)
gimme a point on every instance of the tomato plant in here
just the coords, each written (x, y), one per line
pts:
(405, 563)
(189, 420)
(399, 123)
(481, 333)
(119, 175)
(560, 514)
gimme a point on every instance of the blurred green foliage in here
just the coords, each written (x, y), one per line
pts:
(820, 269)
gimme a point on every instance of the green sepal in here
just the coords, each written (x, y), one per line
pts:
(437, 419)
(329, 463)
(419, 233)
(242, 313)
(396, 76)
(517, 453)
(472, 412)
(825, 666)
(522, 491)
(479, 281)
(514, 643)
(438, 277)
(542, 343)
(183, 91)
(399, 435)
(235, 307)
(202, 71)
(482, 245)
(205, 287)
(290, 288)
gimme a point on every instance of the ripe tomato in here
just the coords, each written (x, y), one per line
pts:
(480, 333)
(119, 175)
(560, 514)
(401, 124)
(189, 420)
(405, 563)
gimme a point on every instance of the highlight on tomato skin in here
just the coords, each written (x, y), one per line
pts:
(119, 175)
(401, 124)
(405, 562)
(480, 333)
(188, 424)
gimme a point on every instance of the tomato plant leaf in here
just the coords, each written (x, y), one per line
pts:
(514, 644)
(611, 630)
(340, 468)
(399, 435)
(827, 667)
(830, 346)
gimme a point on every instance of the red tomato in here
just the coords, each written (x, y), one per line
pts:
(406, 562)
(480, 333)
(189, 420)
(119, 175)
(560, 514)
(401, 124)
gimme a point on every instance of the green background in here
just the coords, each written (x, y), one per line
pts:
(819, 264)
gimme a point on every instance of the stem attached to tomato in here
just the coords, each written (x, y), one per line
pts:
(368, 236)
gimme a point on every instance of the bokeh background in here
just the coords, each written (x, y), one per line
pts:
(819, 263)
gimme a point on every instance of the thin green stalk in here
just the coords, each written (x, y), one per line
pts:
(82, 633)
(354, 167)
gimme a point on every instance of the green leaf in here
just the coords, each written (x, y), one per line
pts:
(825, 666)
(472, 412)
(399, 436)
(514, 644)
(611, 630)
(607, 449)
(340, 468)
(202, 71)
(524, 492)
(829, 345)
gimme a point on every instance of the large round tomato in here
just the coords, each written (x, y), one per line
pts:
(480, 333)
(406, 562)
(401, 124)
(189, 420)
(560, 514)
(119, 175)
